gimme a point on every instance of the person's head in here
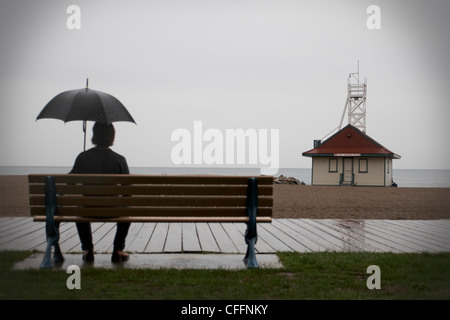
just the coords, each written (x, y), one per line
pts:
(103, 134)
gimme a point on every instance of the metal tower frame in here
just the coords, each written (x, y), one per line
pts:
(355, 104)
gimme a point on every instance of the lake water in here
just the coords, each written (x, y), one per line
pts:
(403, 177)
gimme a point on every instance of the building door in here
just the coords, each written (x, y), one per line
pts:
(348, 171)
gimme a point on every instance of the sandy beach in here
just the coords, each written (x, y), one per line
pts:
(293, 201)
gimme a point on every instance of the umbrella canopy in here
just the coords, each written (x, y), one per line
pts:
(85, 105)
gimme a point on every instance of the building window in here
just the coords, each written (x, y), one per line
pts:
(388, 165)
(363, 165)
(333, 165)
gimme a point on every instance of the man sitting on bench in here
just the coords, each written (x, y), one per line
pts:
(101, 159)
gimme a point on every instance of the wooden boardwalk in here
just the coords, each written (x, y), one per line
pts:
(299, 235)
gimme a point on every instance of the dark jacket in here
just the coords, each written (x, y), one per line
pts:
(100, 160)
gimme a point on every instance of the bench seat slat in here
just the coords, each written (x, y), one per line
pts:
(110, 190)
(148, 179)
(152, 201)
(154, 219)
(153, 211)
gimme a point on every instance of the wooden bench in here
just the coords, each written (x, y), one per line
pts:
(149, 198)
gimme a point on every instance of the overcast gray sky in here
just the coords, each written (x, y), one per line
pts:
(230, 64)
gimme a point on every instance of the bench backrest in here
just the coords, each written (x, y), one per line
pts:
(200, 196)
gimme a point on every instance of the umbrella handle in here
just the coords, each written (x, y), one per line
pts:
(84, 130)
(84, 122)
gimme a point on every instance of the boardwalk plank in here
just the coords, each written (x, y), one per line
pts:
(142, 239)
(69, 238)
(422, 231)
(224, 242)
(415, 236)
(290, 228)
(348, 231)
(272, 240)
(135, 228)
(190, 238)
(442, 224)
(285, 238)
(207, 241)
(236, 236)
(412, 227)
(105, 243)
(431, 228)
(30, 240)
(349, 237)
(301, 235)
(335, 237)
(27, 242)
(158, 238)
(379, 238)
(6, 223)
(16, 230)
(133, 232)
(316, 235)
(173, 241)
(395, 237)
(16, 234)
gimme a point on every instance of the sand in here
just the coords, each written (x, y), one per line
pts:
(319, 202)
(292, 201)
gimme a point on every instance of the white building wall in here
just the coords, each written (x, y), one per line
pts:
(372, 171)
(375, 172)
(321, 174)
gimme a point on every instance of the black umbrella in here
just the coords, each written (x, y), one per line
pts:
(85, 105)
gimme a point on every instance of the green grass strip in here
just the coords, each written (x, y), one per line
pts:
(326, 275)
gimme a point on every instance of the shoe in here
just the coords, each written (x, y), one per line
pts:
(88, 255)
(119, 256)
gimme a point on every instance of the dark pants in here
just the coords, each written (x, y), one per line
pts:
(85, 233)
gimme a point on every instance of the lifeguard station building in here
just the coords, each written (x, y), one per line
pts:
(350, 157)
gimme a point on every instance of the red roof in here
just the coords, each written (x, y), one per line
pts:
(350, 141)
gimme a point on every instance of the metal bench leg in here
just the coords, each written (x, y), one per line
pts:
(47, 261)
(250, 256)
(57, 256)
(51, 227)
(251, 236)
